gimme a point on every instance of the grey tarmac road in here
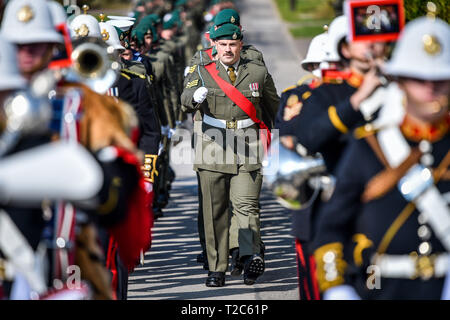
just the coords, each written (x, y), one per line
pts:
(170, 271)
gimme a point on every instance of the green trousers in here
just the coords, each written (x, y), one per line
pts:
(241, 191)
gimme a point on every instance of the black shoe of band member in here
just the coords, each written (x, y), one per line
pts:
(215, 279)
(236, 264)
(253, 268)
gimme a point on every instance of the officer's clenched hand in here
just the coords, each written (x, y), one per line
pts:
(370, 83)
(200, 94)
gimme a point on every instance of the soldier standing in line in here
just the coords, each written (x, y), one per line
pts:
(237, 180)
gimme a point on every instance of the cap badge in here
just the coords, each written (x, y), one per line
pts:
(233, 20)
(431, 44)
(105, 35)
(82, 31)
(25, 14)
(234, 36)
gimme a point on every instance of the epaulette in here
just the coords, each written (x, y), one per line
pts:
(250, 47)
(289, 88)
(257, 62)
(132, 73)
(305, 78)
(125, 76)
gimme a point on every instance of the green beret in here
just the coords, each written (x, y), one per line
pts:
(122, 34)
(147, 28)
(173, 20)
(138, 36)
(180, 3)
(227, 31)
(227, 16)
(153, 18)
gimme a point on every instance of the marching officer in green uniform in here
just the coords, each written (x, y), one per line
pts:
(227, 174)
(248, 52)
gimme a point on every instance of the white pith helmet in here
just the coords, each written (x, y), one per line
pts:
(59, 15)
(316, 50)
(11, 78)
(110, 35)
(85, 25)
(29, 21)
(338, 30)
(422, 51)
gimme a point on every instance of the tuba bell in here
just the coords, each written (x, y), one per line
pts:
(295, 179)
(94, 64)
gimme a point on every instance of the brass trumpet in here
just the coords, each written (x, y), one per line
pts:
(94, 64)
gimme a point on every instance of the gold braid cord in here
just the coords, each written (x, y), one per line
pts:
(330, 265)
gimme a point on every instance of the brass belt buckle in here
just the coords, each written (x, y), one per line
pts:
(424, 266)
(231, 124)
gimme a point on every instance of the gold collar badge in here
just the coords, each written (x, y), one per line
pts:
(431, 44)
(233, 20)
(25, 14)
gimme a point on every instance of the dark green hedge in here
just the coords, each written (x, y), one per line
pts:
(417, 8)
(413, 8)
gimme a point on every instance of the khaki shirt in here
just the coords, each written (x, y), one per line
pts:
(217, 105)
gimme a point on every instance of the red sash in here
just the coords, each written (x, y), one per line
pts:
(242, 102)
(209, 53)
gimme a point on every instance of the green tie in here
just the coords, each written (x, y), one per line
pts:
(232, 74)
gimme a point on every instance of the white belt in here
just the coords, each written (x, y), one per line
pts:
(412, 267)
(224, 124)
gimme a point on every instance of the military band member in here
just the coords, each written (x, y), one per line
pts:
(291, 104)
(240, 180)
(384, 235)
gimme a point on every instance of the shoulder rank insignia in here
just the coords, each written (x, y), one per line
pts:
(192, 69)
(292, 108)
(129, 72)
(192, 84)
(289, 88)
(306, 95)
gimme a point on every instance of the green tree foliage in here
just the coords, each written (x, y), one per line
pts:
(418, 8)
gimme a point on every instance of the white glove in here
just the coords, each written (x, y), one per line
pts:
(186, 71)
(342, 292)
(200, 94)
(165, 130)
(171, 133)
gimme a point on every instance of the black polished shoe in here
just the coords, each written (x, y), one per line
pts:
(253, 268)
(215, 279)
(236, 264)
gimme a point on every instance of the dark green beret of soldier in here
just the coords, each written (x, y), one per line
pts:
(227, 16)
(146, 27)
(174, 20)
(227, 31)
(153, 18)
